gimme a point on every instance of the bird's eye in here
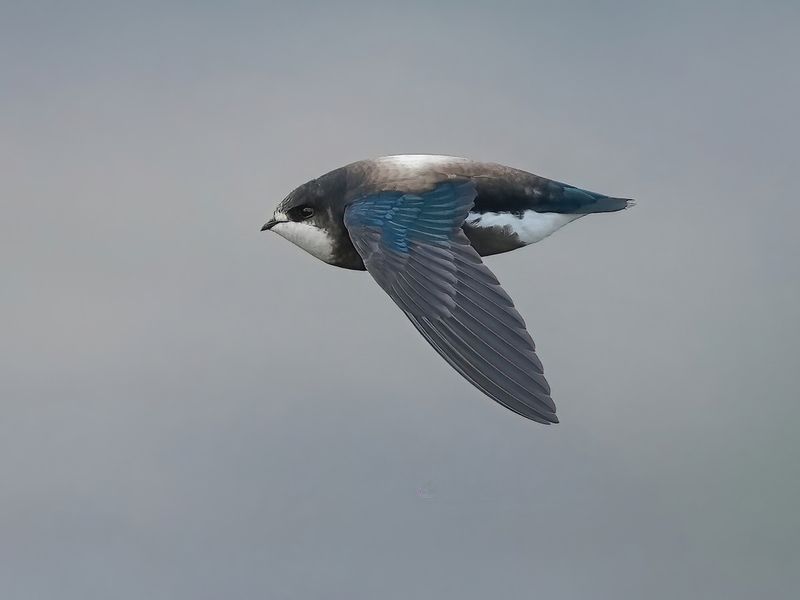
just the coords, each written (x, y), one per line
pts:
(300, 213)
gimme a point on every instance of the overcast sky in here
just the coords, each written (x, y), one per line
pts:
(192, 409)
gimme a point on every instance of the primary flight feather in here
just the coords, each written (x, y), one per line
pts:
(419, 225)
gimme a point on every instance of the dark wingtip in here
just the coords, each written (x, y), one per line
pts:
(539, 416)
(544, 418)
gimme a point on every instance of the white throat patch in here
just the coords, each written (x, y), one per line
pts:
(310, 238)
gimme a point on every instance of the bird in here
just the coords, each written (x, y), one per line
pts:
(419, 224)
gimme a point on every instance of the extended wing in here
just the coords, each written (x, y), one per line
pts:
(413, 245)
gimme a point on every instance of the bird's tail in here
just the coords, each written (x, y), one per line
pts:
(567, 199)
(608, 204)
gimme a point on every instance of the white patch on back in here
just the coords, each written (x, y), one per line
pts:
(416, 160)
(311, 239)
(532, 227)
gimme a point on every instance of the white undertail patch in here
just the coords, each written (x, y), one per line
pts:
(312, 239)
(530, 228)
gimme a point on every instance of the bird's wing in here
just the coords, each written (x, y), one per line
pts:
(413, 245)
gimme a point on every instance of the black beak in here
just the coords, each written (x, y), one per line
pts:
(269, 225)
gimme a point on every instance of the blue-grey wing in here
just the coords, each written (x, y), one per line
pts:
(413, 245)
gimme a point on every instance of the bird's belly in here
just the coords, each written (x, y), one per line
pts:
(495, 232)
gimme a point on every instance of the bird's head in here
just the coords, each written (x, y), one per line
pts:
(312, 217)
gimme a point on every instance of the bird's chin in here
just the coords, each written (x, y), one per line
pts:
(310, 238)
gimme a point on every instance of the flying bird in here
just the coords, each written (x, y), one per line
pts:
(419, 224)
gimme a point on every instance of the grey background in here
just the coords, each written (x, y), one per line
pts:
(192, 409)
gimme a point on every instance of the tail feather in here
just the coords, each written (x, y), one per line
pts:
(608, 204)
(574, 200)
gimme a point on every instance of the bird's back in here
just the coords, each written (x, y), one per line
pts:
(419, 173)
